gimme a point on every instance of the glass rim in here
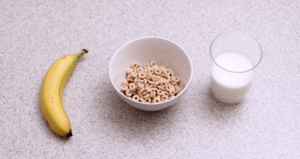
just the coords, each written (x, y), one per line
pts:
(239, 33)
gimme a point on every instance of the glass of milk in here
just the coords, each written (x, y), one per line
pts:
(235, 55)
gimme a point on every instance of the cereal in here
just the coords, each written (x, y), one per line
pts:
(132, 87)
(177, 89)
(141, 85)
(124, 88)
(150, 84)
(156, 84)
(128, 93)
(142, 75)
(145, 93)
(146, 96)
(147, 66)
(150, 70)
(175, 79)
(164, 97)
(156, 100)
(133, 75)
(160, 92)
(152, 63)
(134, 65)
(128, 71)
(125, 82)
(141, 100)
(161, 88)
(148, 89)
(136, 97)
(148, 100)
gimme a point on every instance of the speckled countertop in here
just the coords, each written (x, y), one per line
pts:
(33, 34)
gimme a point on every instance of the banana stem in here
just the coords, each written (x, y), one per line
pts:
(82, 52)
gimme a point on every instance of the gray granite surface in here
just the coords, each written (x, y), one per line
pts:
(33, 34)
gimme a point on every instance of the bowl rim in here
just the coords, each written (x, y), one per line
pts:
(152, 37)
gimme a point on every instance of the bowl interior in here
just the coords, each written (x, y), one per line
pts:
(144, 50)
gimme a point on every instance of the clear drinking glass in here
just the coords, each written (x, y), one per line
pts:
(235, 55)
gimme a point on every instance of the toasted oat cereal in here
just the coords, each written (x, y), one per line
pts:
(150, 84)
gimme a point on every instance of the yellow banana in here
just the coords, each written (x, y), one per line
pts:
(52, 90)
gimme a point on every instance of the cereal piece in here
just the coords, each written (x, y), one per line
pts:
(133, 65)
(132, 87)
(147, 66)
(155, 67)
(163, 83)
(157, 71)
(153, 94)
(134, 93)
(172, 92)
(161, 88)
(172, 74)
(148, 76)
(128, 93)
(133, 75)
(141, 85)
(133, 71)
(148, 89)
(146, 96)
(175, 79)
(150, 70)
(148, 100)
(140, 80)
(168, 87)
(162, 68)
(139, 70)
(156, 100)
(174, 83)
(166, 93)
(164, 97)
(167, 72)
(129, 79)
(145, 93)
(125, 82)
(171, 97)
(141, 100)
(128, 71)
(142, 75)
(177, 89)
(136, 97)
(156, 84)
(124, 88)
(155, 78)
(151, 82)
(152, 63)
(145, 81)
(142, 90)
(139, 66)
(164, 100)
(154, 89)
(160, 92)
(140, 95)
(168, 78)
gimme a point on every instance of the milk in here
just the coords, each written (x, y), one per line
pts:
(230, 87)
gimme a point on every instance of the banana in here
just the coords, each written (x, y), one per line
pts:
(52, 91)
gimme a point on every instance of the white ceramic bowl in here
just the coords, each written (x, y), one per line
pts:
(144, 50)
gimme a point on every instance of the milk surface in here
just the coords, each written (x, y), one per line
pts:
(230, 87)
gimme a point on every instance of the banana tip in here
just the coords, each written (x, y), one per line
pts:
(85, 50)
(69, 134)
